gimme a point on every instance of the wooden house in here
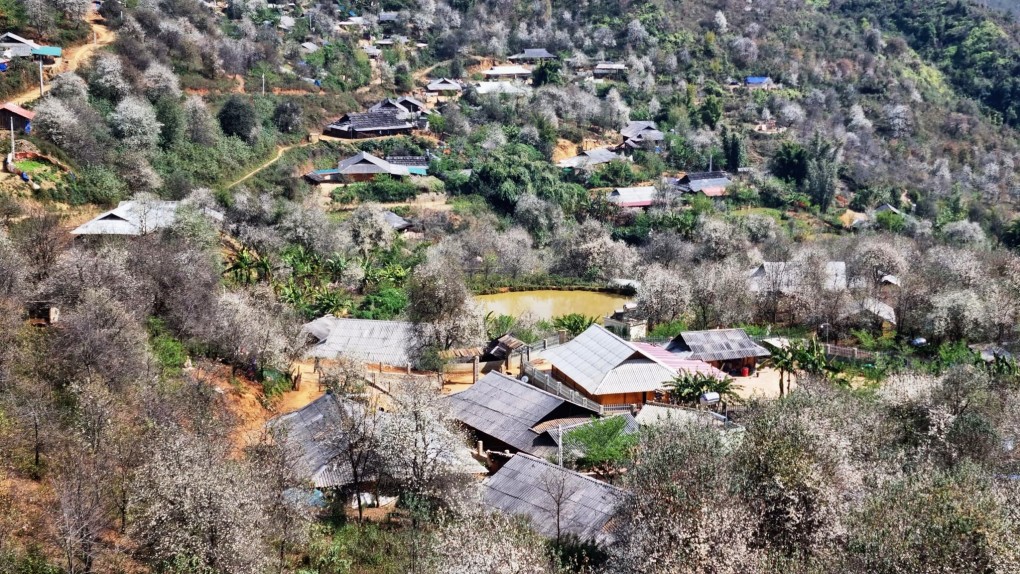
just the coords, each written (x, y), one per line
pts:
(729, 350)
(370, 124)
(12, 114)
(606, 369)
(361, 167)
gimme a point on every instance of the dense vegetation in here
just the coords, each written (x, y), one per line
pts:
(131, 430)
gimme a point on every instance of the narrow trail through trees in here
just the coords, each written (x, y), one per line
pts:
(75, 57)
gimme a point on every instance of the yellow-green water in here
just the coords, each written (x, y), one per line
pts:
(549, 304)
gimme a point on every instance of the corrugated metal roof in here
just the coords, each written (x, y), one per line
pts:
(313, 437)
(366, 163)
(507, 71)
(603, 363)
(507, 410)
(654, 415)
(533, 54)
(633, 196)
(444, 85)
(717, 345)
(677, 363)
(396, 222)
(590, 157)
(871, 306)
(525, 487)
(371, 121)
(635, 129)
(19, 111)
(136, 218)
(385, 342)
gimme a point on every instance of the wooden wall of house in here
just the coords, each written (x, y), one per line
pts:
(5, 121)
(614, 399)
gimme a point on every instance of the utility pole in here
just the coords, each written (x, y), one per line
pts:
(41, 94)
(559, 446)
(12, 140)
(263, 84)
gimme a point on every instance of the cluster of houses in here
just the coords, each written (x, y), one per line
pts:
(390, 117)
(15, 46)
(519, 423)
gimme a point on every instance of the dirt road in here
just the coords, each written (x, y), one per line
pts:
(74, 58)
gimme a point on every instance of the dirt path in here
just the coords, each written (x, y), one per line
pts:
(279, 153)
(74, 58)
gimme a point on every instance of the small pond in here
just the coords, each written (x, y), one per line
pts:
(549, 304)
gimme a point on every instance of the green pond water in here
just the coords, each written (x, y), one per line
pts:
(549, 304)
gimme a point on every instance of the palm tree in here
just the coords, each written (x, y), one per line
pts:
(687, 387)
(574, 323)
(784, 360)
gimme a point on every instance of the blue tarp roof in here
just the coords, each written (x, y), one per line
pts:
(326, 171)
(757, 79)
(418, 170)
(51, 51)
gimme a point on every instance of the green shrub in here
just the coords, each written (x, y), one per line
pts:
(168, 351)
(275, 383)
(386, 304)
(98, 185)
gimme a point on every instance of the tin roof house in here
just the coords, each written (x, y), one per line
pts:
(376, 342)
(729, 350)
(370, 124)
(643, 196)
(14, 46)
(137, 217)
(533, 55)
(361, 167)
(556, 501)
(508, 414)
(608, 370)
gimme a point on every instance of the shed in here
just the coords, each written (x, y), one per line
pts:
(607, 369)
(642, 131)
(787, 277)
(287, 23)
(444, 85)
(415, 164)
(507, 72)
(382, 342)
(729, 350)
(533, 54)
(633, 196)
(506, 413)
(549, 495)
(710, 183)
(604, 69)
(13, 45)
(759, 82)
(590, 158)
(310, 47)
(22, 118)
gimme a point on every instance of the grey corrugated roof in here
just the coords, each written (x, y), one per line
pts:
(533, 54)
(717, 345)
(590, 157)
(522, 488)
(633, 195)
(136, 218)
(385, 342)
(602, 364)
(444, 85)
(312, 437)
(507, 410)
(636, 129)
(389, 104)
(655, 415)
(366, 163)
(507, 71)
(371, 121)
(396, 222)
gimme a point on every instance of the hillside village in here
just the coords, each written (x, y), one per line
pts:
(435, 286)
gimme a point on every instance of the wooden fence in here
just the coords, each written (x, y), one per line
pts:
(540, 380)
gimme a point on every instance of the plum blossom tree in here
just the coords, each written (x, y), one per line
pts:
(664, 294)
(160, 81)
(134, 122)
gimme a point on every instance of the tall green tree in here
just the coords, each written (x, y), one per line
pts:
(824, 157)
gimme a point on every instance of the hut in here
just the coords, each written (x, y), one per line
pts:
(13, 115)
(729, 350)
